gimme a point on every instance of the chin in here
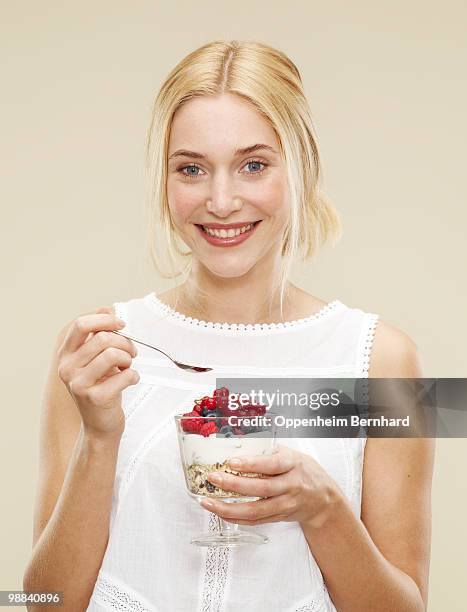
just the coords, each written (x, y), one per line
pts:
(225, 270)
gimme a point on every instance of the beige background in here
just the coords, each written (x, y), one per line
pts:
(388, 98)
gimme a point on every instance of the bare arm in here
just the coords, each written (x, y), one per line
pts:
(76, 474)
(381, 562)
(69, 551)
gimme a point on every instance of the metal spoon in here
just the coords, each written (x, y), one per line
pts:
(183, 366)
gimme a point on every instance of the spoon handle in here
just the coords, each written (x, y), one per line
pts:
(143, 343)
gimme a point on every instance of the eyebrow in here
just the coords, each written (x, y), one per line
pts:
(244, 151)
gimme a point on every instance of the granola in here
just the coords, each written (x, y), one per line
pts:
(199, 484)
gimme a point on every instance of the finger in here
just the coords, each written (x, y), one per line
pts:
(100, 342)
(279, 462)
(105, 392)
(262, 509)
(101, 366)
(102, 309)
(277, 518)
(115, 370)
(84, 325)
(261, 487)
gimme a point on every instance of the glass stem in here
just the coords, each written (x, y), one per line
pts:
(225, 528)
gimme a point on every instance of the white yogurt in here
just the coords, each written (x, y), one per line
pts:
(213, 449)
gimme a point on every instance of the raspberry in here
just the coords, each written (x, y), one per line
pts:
(208, 428)
(222, 397)
(256, 410)
(197, 408)
(208, 402)
(192, 425)
(202, 400)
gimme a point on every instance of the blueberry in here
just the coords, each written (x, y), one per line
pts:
(225, 429)
(249, 428)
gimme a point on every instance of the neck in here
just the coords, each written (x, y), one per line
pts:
(244, 299)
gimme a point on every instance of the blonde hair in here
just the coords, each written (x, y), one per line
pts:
(270, 81)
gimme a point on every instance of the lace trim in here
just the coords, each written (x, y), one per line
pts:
(368, 345)
(325, 311)
(320, 601)
(117, 597)
(364, 366)
(315, 605)
(215, 574)
(138, 399)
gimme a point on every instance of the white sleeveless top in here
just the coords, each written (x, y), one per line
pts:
(150, 563)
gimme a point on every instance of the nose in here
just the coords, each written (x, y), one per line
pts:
(222, 201)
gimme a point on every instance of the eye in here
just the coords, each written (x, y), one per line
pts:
(192, 170)
(256, 162)
(190, 174)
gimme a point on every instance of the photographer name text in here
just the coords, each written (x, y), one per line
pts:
(353, 420)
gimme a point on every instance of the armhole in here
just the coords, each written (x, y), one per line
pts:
(365, 344)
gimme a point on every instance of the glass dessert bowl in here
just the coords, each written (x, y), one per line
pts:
(208, 437)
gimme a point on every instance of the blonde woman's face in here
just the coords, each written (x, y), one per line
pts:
(228, 200)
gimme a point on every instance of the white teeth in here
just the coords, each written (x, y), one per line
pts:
(229, 233)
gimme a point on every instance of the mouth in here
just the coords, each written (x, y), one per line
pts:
(231, 234)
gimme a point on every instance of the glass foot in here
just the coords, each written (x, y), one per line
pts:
(229, 538)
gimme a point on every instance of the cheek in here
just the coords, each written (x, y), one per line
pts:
(182, 200)
(272, 197)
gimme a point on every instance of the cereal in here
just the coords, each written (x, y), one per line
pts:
(199, 484)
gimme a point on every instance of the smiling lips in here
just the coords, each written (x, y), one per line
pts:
(227, 234)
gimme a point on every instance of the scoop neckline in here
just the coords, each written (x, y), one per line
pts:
(323, 313)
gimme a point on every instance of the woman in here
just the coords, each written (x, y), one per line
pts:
(235, 176)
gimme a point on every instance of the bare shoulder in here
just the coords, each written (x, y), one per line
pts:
(394, 354)
(304, 304)
(166, 296)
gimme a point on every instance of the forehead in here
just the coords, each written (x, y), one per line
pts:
(215, 123)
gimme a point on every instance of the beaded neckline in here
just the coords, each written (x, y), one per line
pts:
(152, 300)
